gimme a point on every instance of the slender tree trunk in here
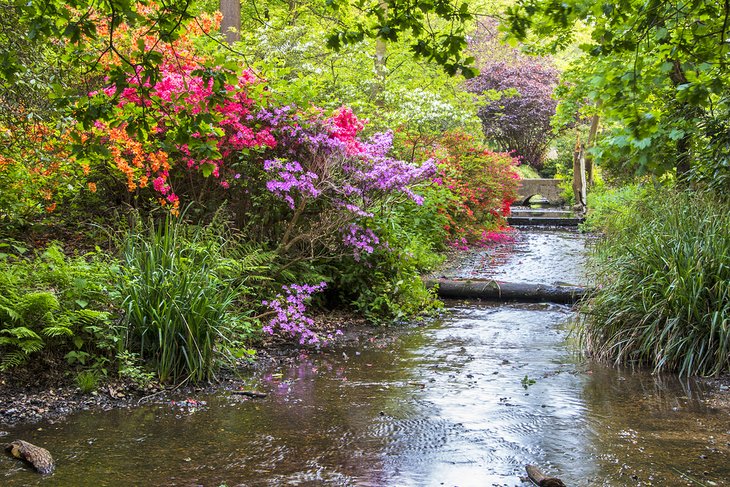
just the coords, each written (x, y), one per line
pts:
(381, 52)
(231, 22)
(684, 144)
(579, 176)
(589, 144)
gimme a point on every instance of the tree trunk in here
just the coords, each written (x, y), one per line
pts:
(684, 144)
(579, 176)
(589, 144)
(381, 51)
(231, 21)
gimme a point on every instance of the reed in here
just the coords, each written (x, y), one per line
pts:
(176, 304)
(663, 288)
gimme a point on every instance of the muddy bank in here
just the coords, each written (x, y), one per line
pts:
(47, 390)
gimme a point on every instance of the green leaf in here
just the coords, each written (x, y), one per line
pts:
(207, 169)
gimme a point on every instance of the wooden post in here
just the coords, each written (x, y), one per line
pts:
(583, 185)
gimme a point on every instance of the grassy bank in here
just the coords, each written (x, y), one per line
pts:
(663, 284)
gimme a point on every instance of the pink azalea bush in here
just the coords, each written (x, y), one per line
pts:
(304, 183)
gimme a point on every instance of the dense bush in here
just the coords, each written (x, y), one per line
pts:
(481, 187)
(663, 296)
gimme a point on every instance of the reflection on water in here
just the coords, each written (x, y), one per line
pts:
(467, 401)
(453, 403)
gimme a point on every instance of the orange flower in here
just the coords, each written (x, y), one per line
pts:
(92, 187)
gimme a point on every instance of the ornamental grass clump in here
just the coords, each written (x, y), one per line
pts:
(176, 304)
(663, 288)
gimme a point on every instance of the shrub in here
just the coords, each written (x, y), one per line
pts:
(482, 183)
(663, 297)
(387, 284)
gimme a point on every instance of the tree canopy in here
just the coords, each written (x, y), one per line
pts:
(657, 71)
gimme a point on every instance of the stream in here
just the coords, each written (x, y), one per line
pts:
(465, 400)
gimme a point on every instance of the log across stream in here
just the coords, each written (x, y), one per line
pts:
(491, 290)
(465, 400)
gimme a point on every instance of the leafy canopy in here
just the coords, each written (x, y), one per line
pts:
(656, 70)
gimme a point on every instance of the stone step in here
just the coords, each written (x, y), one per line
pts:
(542, 213)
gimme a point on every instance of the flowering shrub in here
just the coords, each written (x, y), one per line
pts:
(482, 184)
(290, 317)
(303, 184)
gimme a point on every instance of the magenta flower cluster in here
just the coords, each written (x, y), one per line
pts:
(290, 317)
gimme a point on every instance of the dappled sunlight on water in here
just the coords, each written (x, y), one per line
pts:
(464, 401)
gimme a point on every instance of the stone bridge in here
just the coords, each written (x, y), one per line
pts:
(547, 188)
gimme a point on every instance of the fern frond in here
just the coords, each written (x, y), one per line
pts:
(9, 314)
(57, 331)
(13, 359)
(89, 317)
(21, 332)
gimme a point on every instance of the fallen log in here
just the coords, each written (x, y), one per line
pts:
(540, 479)
(252, 394)
(506, 291)
(39, 458)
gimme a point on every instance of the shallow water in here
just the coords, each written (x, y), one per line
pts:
(535, 255)
(467, 400)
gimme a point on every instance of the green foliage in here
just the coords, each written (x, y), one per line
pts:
(178, 289)
(390, 288)
(436, 30)
(663, 296)
(527, 382)
(560, 162)
(52, 302)
(655, 71)
(611, 209)
(526, 172)
(130, 368)
(87, 381)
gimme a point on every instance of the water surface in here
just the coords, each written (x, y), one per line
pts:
(466, 400)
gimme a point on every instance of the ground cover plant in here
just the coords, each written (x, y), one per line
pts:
(55, 307)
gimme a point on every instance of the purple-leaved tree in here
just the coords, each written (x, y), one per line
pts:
(519, 120)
